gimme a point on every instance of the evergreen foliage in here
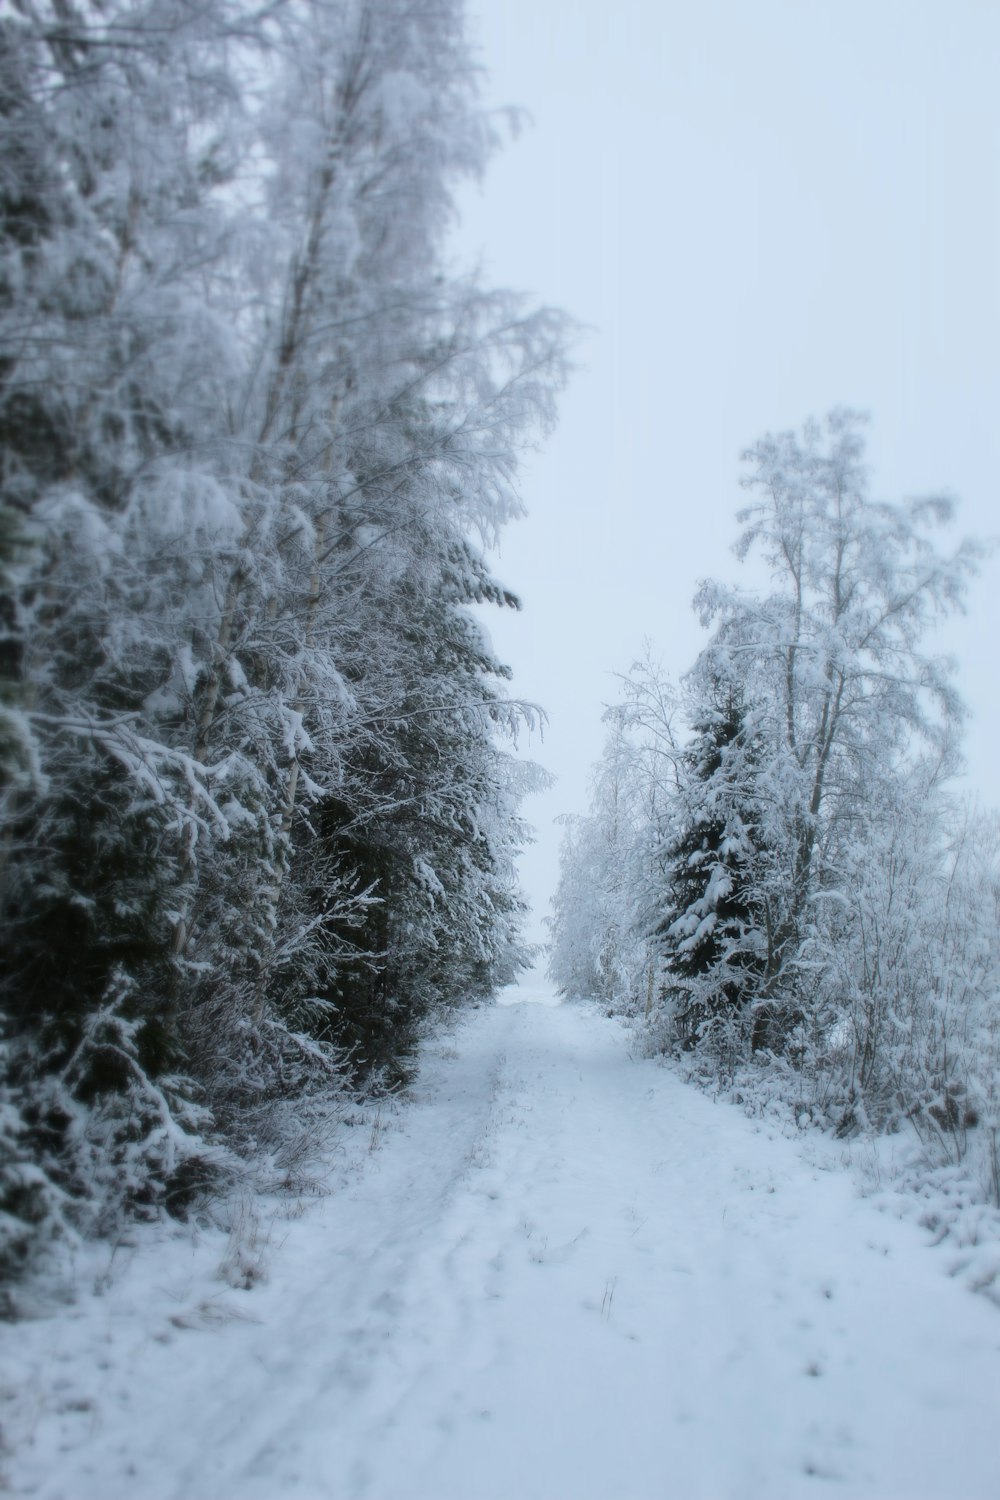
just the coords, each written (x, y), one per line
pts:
(258, 818)
(709, 934)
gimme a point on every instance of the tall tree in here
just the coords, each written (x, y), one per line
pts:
(832, 659)
(258, 443)
(709, 931)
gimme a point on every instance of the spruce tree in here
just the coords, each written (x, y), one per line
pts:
(709, 932)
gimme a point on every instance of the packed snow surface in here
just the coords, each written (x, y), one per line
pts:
(557, 1273)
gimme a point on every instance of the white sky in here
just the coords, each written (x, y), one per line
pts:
(764, 208)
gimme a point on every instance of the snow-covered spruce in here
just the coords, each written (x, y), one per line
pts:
(254, 444)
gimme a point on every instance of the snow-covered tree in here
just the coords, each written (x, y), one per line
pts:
(113, 371)
(599, 947)
(810, 898)
(833, 664)
(256, 443)
(709, 932)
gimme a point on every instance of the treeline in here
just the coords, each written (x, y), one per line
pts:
(257, 817)
(775, 873)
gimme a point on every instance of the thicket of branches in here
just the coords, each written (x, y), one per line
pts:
(775, 871)
(257, 818)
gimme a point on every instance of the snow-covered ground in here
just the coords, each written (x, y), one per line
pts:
(556, 1272)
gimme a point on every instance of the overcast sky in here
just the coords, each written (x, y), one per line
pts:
(763, 210)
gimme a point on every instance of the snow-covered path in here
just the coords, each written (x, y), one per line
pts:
(563, 1275)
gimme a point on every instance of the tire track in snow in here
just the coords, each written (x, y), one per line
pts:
(668, 1291)
(398, 1232)
(566, 1276)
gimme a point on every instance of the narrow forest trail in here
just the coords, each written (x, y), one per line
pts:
(562, 1275)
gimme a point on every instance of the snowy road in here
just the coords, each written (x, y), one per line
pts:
(563, 1275)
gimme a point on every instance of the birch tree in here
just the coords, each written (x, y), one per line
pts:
(835, 655)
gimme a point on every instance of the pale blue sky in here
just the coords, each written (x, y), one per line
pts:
(764, 209)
